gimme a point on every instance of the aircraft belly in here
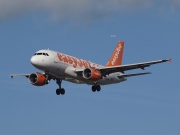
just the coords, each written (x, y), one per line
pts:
(106, 82)
(111, 79)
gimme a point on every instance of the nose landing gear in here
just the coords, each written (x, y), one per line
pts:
(60, 90)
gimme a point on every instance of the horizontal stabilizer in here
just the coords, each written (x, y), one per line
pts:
(131, 75)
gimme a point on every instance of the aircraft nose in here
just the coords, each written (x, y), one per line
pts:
(34, 61)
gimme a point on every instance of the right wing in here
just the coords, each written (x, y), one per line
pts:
(122, 68)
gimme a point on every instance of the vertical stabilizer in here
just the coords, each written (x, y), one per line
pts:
(116, 58)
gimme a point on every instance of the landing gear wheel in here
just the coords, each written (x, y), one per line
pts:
(62, 91)
(58, 91)
(98, 87)
(93, 88)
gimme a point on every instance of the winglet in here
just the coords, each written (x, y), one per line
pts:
(170, 60)
(116, 58)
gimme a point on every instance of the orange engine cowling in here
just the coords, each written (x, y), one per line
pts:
(92, 74)
(37, 79)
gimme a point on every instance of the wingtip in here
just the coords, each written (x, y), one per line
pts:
(11, 75)
(167, 60)
(170, 60)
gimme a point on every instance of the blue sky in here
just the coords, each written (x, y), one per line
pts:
(141, 105)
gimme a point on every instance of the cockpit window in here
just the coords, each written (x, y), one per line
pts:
(45, 54)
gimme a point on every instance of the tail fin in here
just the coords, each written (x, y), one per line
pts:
(116, 58)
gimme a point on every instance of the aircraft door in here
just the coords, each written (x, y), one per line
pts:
(55, 57)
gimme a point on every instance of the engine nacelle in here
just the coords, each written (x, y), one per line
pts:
(37, 79)
(92, 74)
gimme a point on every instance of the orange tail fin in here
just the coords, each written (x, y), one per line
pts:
(116, 58)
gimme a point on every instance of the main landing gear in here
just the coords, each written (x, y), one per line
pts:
(60, 90)
(96, 88)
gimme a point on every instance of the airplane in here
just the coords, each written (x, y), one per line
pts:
(58, 66)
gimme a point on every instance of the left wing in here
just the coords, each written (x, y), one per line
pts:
(26, 75)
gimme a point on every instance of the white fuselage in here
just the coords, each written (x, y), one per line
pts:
(64, 66)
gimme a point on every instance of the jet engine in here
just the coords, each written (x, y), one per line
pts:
(92, 74)
(37, 79)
